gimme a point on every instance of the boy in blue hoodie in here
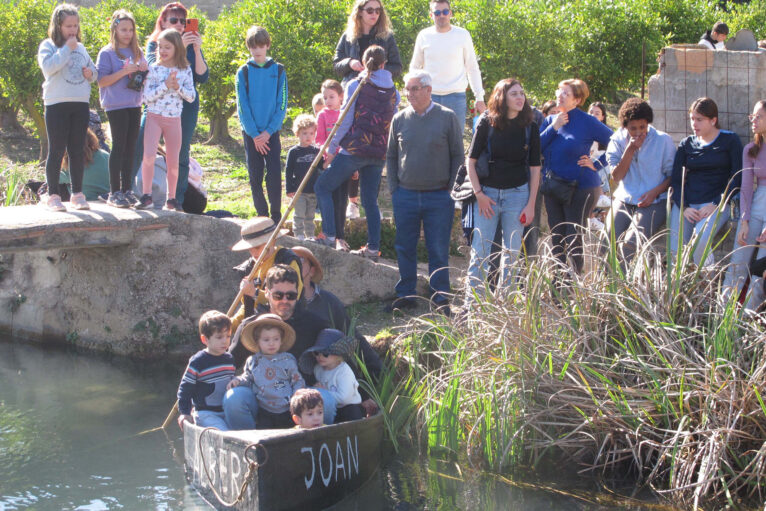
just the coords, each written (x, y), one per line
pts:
(261, 105)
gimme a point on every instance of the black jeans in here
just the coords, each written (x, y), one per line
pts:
(565, 222)
(124, 124)
(273, 165)
(66, 125)
(340, 201)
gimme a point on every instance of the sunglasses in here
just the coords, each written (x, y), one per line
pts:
(373, 10)
(175, 20)
(279, 295)
(323, 353)
(443, 12)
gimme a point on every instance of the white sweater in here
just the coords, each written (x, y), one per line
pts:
(450, 59)
(341, 383)
(62, 69)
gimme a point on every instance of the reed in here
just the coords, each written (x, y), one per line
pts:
(11, 186)
(634, 368)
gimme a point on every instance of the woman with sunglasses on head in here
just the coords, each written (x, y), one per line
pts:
(173, 15)
(571, 188)
(705, 172)
(506, 196)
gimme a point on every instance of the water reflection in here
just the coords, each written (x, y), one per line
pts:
(69, 425)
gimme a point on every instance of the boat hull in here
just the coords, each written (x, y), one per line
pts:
(300, 469)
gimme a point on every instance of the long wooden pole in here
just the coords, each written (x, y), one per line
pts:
(275, 234)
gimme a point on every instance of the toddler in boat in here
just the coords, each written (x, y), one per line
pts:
(307, 408)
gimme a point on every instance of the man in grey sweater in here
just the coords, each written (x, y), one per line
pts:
(425, 149)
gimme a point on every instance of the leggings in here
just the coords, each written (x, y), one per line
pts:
(123, 124)
(66, 125)
(170, 129)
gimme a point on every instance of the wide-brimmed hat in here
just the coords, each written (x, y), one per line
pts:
(308, 254)
(271, 320)
(255, 232)
(330, 341)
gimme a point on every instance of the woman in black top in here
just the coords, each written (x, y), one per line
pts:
(506, 196)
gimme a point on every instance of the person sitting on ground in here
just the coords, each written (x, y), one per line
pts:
(640, 160)
(307, 409)
(713, 39)
(95, 179)
(299, 160)
(270, 372)
(195, 196)
(327, 361)
(255, 233)
(207, 375)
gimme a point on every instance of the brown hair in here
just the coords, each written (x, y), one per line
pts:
(498, 105)
(172, 36)
(280, 273)
(382, 28)
(123, 15)
(332, 85)
(757, 137)
(373, 58)
(212, 322)
(304, 121)
(547, 106)
(579, 89)
(58, 16)
(305, 399)
(91, 146)
(706, 107)
(172, 7)
(257, 331)
(257, 36)
(602, 107)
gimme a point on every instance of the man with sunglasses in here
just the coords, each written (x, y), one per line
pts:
(447, 53)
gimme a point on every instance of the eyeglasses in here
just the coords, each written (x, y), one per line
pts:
(373, 10)
(755, 117)
(279, 295)
(414, 88)
(323, 353)
(443, 12)
(175, 20)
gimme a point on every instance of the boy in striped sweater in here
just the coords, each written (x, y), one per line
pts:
(204, 382)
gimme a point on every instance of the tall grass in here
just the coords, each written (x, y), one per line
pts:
(630, 369)
(11, 186)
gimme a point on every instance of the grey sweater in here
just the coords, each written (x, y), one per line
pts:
(62, 69)
(273, 379)
(424, 152)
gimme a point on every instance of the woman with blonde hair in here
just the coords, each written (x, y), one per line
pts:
(368, 24)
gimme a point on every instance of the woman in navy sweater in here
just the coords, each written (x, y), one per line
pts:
(564, 139)
(705, 168)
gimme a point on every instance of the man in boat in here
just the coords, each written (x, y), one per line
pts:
(255, 233)
(281, 291)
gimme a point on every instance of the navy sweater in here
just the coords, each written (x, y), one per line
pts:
(299, 160)
(708, 168)
(204, 382)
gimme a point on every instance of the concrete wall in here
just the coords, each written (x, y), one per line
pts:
(735, 80)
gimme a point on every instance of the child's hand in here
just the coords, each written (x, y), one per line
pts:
(247, 287)
(233, 383)
(130, 67)
(184, 418)
(290, 195)
(262, 142)
(143, 65)
(72, 43)
(86, 72)
(370, 407)
(171, 82)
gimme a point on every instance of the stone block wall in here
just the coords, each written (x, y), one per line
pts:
(735, 80)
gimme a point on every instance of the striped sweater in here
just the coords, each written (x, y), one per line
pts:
(204, 382)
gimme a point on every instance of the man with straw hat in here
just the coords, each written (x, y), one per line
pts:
(255, 233)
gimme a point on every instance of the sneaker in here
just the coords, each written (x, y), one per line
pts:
(322, 239)
(352, 210)
(604, 202)
(401, 303)
(132, 199)
(145, 202)
(103, 197)
(52, 202)
(117, 199)
(595, 224)
(367, 253)
(78, 201)
(342, 246)
(170, 205)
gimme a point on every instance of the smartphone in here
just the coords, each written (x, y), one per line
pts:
(192, 25)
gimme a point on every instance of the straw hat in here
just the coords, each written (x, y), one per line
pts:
(307, 254)
(256, 232)
(270, 320)
(330, 341)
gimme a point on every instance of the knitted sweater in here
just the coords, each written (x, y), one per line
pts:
(204, 382)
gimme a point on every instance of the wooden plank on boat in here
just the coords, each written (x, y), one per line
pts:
(303, 469)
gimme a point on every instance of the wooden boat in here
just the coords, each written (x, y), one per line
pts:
(291, 468)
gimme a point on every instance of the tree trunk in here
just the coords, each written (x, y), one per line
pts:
(8, 117)
(28, 103)
(219, 131)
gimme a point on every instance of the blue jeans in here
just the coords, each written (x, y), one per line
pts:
(241, 407)
(435, 210)
(455, 102)
(704, 229)
(208, 419)
(507, 208)
(336, 175)
(273, 164)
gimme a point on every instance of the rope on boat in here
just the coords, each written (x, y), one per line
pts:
(252, 466)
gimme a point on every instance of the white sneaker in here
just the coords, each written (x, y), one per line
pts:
(352, 210)
(595, 224)
(604, 202)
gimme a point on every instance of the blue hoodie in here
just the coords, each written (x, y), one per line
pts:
(262, 97)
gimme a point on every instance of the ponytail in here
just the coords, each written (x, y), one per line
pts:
(373, 58)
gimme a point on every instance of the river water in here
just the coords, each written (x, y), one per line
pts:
(70, 439)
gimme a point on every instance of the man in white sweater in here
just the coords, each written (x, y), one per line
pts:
(447, 53)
